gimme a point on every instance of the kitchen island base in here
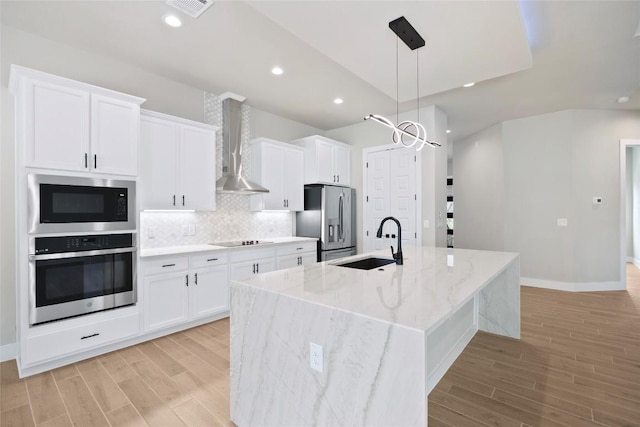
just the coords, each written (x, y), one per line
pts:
(375, 370)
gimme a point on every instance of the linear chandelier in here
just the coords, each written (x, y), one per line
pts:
(407, 133)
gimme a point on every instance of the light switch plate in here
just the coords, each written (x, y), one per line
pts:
(315, 356)
(562, 222)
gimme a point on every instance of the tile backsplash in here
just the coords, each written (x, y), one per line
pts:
(232, 219)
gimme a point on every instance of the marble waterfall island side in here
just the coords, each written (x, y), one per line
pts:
(388, 335)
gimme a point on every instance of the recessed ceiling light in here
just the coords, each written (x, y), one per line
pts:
(623, 99)
(277, 71)
(338, 101)
(172, 21)
(469, 84)
(448, 130)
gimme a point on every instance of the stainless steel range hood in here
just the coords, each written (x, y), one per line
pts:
(232, 180)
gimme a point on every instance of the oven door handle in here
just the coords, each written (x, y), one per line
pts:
(81, 254)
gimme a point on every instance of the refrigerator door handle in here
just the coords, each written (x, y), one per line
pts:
(341, 218)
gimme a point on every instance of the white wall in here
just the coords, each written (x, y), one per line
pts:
(554, 164)
(162, 94)
(479, 216)
(434, 168)
(629, 201)
(633, 217)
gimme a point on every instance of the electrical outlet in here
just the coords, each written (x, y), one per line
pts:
(185, 230)
(315, 356)
(192, 229)
(426, 223)
(151, 232)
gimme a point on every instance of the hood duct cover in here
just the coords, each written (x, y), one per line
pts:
(232, 180)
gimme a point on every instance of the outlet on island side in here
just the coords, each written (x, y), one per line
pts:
(315, 357)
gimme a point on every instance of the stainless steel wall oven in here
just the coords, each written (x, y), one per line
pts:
(75, 275)
(75, 204)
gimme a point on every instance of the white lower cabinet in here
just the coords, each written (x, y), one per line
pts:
(247, 262)
(184, 288)
(76, 335)
(297, 254)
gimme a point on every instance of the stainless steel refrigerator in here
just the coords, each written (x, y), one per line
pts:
(330, 216)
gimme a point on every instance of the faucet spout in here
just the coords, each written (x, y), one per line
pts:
(398, 255)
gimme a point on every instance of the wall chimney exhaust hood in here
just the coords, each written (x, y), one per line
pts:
(232, 180)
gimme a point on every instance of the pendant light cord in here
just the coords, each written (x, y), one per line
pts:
(397, 96)
(418, 81)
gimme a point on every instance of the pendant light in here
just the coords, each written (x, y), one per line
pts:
(407, 133)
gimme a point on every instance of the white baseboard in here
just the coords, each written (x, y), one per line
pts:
(634, 261)
(8, 352)
(572, 286)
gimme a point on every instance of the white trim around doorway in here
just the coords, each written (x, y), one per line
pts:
(624, 143)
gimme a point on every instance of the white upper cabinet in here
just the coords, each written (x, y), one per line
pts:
(178, 163)
(278, 167)
(115, 131)
(67, 125)
(326, 161)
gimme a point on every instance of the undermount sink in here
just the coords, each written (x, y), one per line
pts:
(367, 263)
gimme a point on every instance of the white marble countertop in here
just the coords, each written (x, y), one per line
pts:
(187, 249)
(422, 293)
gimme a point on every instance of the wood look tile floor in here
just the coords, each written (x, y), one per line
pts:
(578, 364)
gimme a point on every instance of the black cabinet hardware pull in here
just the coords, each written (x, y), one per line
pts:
(299, 249)
(174, 200)
(90, 336)
(257, 268)
(183, 200)
(254, 269)
(196, 278)
(168, 265)
(85, 160)
(95, 161)
(212, 259)
(186, 279)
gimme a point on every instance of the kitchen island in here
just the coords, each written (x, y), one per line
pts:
(387, 335)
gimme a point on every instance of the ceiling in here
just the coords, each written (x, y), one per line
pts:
(527, 57)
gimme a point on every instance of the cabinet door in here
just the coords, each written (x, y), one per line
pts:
(56, 126)
(165, 300)
(342, 161)
(197, 169)
(324, 162)
(241, 270)
(309, 258)
(158, 150)
(209, 293)
(114, 136)
(289, 261)
(294, 179)
(273, 166)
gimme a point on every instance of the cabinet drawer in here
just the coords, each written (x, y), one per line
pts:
(210, 259)
(165, 265)
(69, 341)
(297, 248)
(251, 254)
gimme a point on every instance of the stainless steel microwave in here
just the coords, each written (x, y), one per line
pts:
(76, 204)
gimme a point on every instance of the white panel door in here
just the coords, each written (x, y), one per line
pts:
(294, 179)
(165, 300)
(324, 162)
(158, 151)
(209, 293)
(197, 169)
(377, 204)
(391, 191)
(402, 192)
(114, 136)
(57, 126)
